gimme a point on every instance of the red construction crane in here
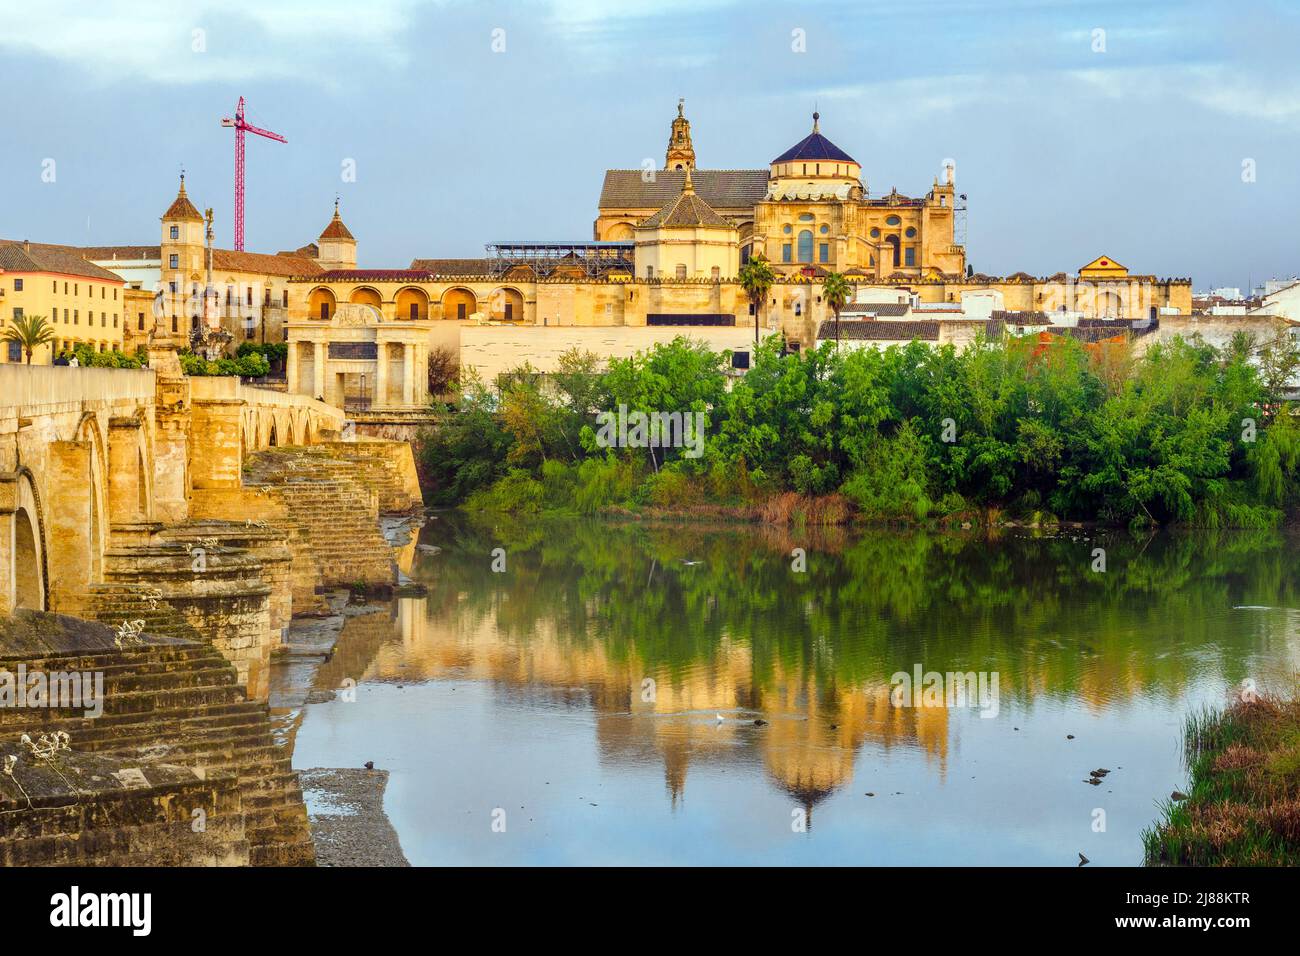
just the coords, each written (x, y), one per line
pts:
(240, 127)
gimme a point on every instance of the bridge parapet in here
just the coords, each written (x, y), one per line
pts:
(31, 390)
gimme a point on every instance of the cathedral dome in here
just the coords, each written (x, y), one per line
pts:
(815, 169)
(814, 147)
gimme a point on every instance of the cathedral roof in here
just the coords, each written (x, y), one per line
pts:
(720, 188)
(687, 210)
(181, 207)
(336, 229)
(453, 267)
(815, 146)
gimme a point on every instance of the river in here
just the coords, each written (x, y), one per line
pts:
(603, 692)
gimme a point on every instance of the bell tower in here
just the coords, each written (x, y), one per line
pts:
(681, 154)
(182, 240)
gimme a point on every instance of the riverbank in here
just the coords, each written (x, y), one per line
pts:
(345, 806)
(348, 823)
(1243, 804)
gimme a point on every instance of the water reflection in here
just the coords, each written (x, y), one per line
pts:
(638, 638)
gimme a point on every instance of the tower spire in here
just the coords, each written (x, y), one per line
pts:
(681, 154)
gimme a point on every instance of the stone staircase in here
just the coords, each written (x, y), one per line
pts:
(218, 594)
(360, 462)
(169, 702)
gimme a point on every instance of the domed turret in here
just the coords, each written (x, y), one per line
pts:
(338, 249)
(815, 168)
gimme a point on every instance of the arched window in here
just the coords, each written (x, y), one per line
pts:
(805, 245)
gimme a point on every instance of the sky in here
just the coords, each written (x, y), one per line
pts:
(1161, 133)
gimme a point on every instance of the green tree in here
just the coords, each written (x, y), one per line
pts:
(757, 278)
(30, 332)
(836, 291)
(1279, 361)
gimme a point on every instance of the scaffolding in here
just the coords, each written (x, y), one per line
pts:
(596, 259)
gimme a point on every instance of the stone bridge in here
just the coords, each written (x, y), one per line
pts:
(195, 517)
(91, 457)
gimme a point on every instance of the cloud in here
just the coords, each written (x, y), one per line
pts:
(115, 40)
(1232, 91)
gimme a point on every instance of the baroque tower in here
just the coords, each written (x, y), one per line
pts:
(681, 154)
(182, 241)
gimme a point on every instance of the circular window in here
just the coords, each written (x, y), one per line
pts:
(875, 233)
(892, 221)
(825, 229)
(911, 233)
(786, 230)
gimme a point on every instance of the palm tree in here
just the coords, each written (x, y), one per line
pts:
(756, 278)
(29, 331)
(836, 291)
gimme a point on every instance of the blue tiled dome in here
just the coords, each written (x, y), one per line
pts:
(815, 146)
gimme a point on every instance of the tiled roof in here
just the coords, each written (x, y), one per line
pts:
(1032, 317)
(814, 146)
(876, 308)
(111, 253)
(309, 251)
(181, 207)
(687, 210)
(230, 260)
(720, 188)
(336, 229)
(98, 253)
(452, 267)
(891, 331)
(35, 257)
(370, 275)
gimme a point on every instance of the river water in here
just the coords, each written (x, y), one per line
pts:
(589, 693)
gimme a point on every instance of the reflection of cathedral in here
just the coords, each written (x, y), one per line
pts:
(809, 209)
(808, 745)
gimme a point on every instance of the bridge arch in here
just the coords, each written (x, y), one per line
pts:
(31, 572)
(90, 431)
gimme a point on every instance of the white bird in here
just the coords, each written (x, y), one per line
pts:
(691, 564)
(720, 718)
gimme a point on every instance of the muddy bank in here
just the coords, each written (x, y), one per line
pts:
(348, 823)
